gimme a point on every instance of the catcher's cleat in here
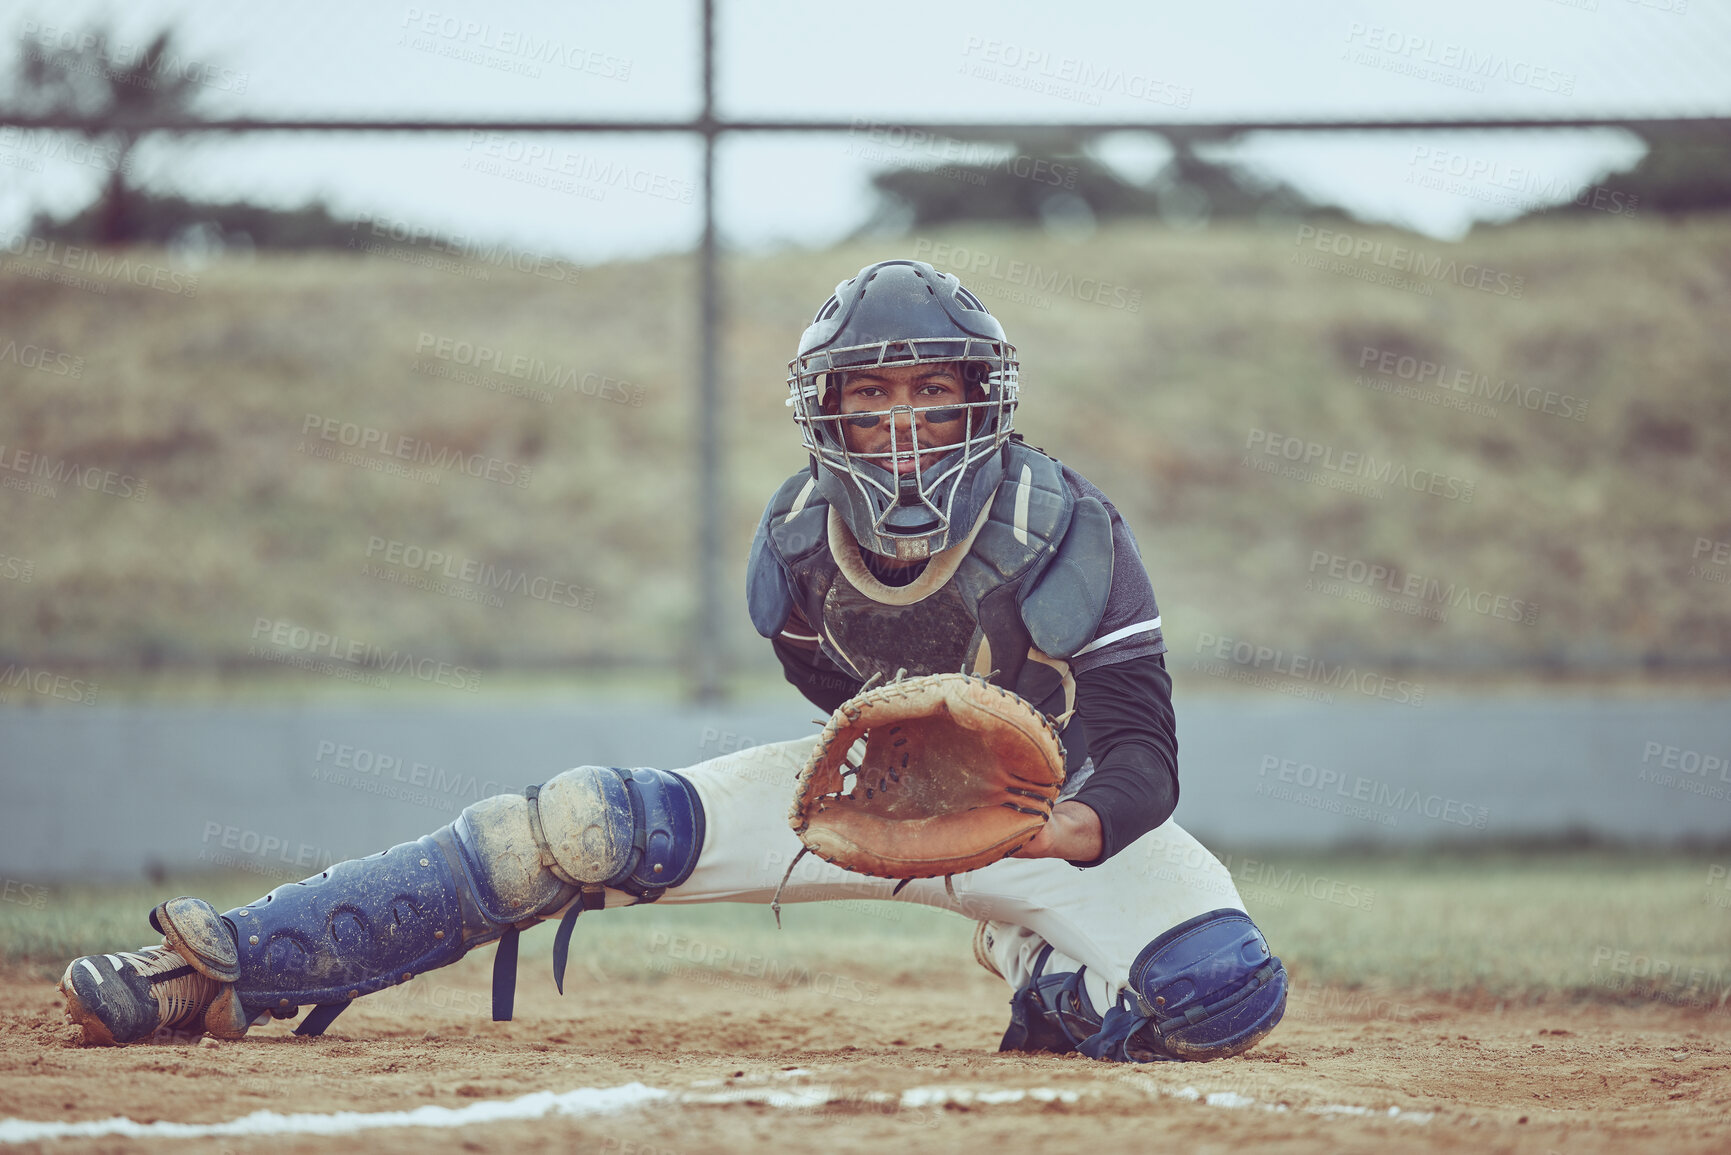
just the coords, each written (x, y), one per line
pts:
(130, 995)
(1050, 1012)
(983, 947)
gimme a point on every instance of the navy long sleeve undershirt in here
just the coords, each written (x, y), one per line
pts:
(1125, 710)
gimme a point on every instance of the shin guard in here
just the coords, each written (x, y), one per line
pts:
(507, 863)
(359, 927)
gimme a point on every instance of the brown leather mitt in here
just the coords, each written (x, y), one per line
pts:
(957, 773)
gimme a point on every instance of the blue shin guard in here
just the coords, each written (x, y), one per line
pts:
(359, 927)
(1206, 989)
(505, 864)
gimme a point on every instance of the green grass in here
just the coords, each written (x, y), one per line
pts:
(205, 399)
(1506, 926)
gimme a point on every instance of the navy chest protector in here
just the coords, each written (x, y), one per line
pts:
(1022, 593)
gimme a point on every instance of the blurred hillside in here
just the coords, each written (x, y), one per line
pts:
(224, 406)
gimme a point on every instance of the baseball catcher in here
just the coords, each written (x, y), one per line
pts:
(976, 620)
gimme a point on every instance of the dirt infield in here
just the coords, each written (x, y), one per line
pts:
(905, 1065)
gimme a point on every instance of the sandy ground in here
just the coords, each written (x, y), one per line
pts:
(908, 1065)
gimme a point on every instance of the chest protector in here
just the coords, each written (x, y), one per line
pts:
(1020, 594)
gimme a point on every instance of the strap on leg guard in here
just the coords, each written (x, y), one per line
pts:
(591, 896)
(319, 1018)
(505, 976)
(639, 831)
(1206, 989)
(1050, 1012)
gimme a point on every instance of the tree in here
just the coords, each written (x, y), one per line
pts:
(1679, 175)
(83, 74)
(961, 182)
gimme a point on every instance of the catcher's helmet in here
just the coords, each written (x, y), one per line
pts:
(897, 313)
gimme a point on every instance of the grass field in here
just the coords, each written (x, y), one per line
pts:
(216, 406)
(1530, 927)
(1529, 1003)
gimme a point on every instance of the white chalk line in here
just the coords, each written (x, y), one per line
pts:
(583, 1101)
(605, 1100)
(1233, 1099)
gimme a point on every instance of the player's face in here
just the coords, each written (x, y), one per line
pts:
(905, 388)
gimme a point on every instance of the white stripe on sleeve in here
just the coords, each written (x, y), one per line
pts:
(1118, 635)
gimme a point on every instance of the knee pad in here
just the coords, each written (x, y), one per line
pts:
(1051, 1012)
(593, 828)
(580, 834)
(1206, 989)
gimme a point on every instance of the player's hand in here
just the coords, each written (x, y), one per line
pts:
(1073, 833)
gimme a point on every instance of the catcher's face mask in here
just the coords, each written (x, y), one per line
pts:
(903, 418)
(904, 427)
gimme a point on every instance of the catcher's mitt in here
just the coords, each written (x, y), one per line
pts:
(957, 773)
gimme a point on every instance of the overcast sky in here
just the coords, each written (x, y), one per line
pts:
(601, 197)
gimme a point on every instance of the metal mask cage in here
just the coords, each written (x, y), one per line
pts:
(987, 425)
